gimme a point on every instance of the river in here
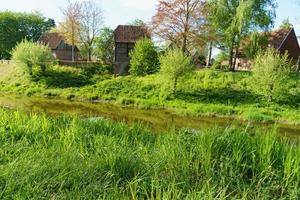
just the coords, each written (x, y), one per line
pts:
(157, 120)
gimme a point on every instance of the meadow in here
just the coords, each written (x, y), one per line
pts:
(68, 157)
(203, 93)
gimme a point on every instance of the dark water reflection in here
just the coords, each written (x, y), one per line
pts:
(157, 120)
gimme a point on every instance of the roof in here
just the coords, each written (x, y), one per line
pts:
(51, 39)
(275, 38)
(130, 34)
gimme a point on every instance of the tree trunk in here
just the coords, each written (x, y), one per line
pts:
(175, 86)
(208, 62)
(73, 56)
(235, 58)
(231, 55)
(89, 54)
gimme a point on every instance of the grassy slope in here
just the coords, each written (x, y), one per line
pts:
(204, 93)
(72, 158)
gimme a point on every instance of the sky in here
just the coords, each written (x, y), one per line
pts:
(123, 11)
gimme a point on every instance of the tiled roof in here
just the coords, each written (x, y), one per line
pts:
(130, 34)
(51, 39)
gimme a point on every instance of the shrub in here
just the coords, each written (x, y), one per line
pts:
(144, 58)
(32, 54)
(270, 74)
(175, 65)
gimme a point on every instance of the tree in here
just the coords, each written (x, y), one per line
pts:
(105, 46)
(233, 20)
(137, 22)
(33, 54)
(174, 65)
(90, 23)
(15, 27)
(286, 24)
(270, 72)
(69, 28)
(179, 22)
(144, 58)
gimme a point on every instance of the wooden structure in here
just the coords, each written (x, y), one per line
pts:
(125, 38)
(282, 40)
(60, 49)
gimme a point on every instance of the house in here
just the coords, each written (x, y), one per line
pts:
(60, 49)
(282, 40)
(125, 38)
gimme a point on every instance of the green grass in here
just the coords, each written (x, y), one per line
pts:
(67, 157)
(206, 92)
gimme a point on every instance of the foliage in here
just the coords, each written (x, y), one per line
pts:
(144, 58)
(175, 65)
(270, 72)
(220, 61)
(105, 47)
(234, 20)
(179, 22)
(15, 27)
(137, 22)
(257, 42)
(92, 158)
(32, 54)
(286, 24)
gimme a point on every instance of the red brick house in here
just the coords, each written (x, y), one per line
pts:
(283, 40)
(125, 38)
(60, 49)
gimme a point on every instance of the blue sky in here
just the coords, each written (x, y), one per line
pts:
(123, 11)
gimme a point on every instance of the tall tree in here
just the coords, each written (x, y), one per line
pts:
(286, 24)
(15, 27)
(235, 19)
(69, 28)
(179, 22)
(91, 21)
(105, 46)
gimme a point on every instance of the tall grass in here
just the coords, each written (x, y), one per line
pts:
(71, 158)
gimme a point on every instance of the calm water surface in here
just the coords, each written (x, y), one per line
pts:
(157, 120)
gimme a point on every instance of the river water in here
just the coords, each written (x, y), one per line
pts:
(157, 120)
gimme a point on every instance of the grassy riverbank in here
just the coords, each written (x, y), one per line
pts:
(68, 157)
(206, 92)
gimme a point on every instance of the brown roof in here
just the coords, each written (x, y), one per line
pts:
(276, 38)
(130, 34)
(51, 39)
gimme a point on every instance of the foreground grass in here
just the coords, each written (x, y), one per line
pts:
(71, 158)
(206, 92)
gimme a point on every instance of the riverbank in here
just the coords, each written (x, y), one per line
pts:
(68, 157)
(205, 93)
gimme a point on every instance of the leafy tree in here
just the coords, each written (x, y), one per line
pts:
(174, 65)
(105, 46)
(90, 23)
(69, 28)
(144, 58)
(270, 72)
(137, 22)
(179, 22)
(15, 27)
(257, 42)
(33, 54)
(234, 20)
(286, 24)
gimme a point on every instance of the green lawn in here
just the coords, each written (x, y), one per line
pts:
(206, 92)
(67, 157)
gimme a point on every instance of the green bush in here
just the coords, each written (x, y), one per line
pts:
(174, 65)
(270, 74)
(144, 58)
(33, 54)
